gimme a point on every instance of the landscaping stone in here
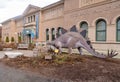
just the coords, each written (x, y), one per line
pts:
(48, 57)
(12, 54)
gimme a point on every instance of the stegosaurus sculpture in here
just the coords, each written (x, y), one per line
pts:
(75, 39)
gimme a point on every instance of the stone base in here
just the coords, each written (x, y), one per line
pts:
(48, 57)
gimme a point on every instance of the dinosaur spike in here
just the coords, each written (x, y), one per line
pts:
(73, 29)
(111, 51)
(116, 54)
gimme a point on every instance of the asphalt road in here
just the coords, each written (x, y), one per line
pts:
(8, 74)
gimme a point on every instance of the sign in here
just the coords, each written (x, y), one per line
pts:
(37, 25)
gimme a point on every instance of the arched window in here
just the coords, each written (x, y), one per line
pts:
(47, 34)
(59, 31)
(118, 30)
(84, 25)
(53, 33)
(101, 30)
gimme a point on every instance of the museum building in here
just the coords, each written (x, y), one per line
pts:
(101, 19)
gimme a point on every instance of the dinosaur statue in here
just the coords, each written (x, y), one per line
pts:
(74, 39)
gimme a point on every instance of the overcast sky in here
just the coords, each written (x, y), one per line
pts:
(12, 8)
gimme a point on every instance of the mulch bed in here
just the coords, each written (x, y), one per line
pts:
(70, 67)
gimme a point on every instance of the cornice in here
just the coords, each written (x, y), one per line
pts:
(31, 7)
(52, 5)
(91, 6)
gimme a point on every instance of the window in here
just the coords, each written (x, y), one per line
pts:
(101, 30)
(31, 19)
(34, 18)
(53, 33)
(28, 19)
(47, 34)
(84, 26)
(18, 34)
(118, 30)
(59, 31)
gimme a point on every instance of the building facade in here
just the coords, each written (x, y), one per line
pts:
(0, 33)
(101, 19)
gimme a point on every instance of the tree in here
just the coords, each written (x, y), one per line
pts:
(12, 39)
(7, 39)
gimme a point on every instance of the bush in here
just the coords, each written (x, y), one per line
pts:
(1, 47)
(12, 39)
(19, 39)
(7, 39)
(31, 46)
(0, 39)
(10, 45)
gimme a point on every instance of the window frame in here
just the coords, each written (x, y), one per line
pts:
(117, 30)
(99, 20)
(59, 31)
(53, 34)
(47, 34)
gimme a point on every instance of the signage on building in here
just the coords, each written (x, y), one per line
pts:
(88, 2)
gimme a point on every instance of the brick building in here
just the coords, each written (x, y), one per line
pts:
(101, 18)
(0, 32)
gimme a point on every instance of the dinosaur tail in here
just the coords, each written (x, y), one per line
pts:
(110, 54)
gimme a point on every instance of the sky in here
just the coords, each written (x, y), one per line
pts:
(12, 8)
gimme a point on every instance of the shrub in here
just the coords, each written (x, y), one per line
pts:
(0, 39)
(31, 46)
(12, 39)
(19, 39)
(10, 45)
(1, 46)
(13, 45)
(7, 39)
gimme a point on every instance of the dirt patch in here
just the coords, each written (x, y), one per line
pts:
(70, 67)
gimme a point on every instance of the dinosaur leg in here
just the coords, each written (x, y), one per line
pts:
(60, 50)
(70, 50)
(80, 50)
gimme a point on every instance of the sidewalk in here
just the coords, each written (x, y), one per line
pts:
(28, 53)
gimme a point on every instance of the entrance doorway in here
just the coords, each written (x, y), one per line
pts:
(28, 39)
(28, 35)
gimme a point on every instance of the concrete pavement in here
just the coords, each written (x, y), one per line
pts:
(8, 74)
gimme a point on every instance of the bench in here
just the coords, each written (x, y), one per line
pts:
(23, 46)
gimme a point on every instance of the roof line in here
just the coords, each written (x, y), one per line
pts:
(53, 4)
